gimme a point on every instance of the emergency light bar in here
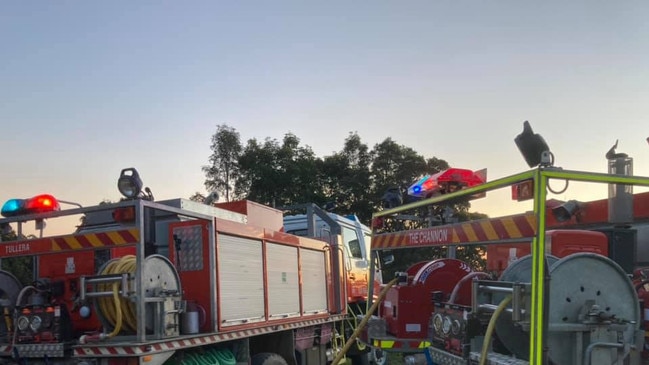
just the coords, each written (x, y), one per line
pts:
(38, 204)
(445, 182)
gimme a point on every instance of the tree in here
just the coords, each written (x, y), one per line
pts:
(395, 166)
(279, 174)
(286, 173)
(21, 267)
(346, 178)
(434, 165)
(300, 172)
(223, 169)
(258, 178)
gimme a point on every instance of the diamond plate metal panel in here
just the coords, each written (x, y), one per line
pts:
(445, 358)
(41, 350)
(498, 359)
(190, 255)
(376, 327)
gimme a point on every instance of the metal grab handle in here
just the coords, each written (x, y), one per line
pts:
(517, 290)
(103, 279)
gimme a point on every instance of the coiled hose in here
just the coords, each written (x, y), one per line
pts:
(117, 311)
(209, 357)
(225, 356)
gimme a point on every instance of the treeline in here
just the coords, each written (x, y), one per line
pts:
(286, 172)
(354, 180)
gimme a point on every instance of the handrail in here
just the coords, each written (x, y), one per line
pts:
(538, 290)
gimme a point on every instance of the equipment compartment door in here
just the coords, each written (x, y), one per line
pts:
(241, 280)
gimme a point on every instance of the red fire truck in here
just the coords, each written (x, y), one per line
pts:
(557, 286)
(175, 281)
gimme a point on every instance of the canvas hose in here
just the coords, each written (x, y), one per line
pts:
(210, 357)
(225, 356)
(490, 328)
(118, 311)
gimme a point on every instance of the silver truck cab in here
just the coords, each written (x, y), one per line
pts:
(350, 234)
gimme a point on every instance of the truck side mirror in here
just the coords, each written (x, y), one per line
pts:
(387, 258)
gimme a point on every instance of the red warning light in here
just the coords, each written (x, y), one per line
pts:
(38, 204)
(124, 215)
(42, 203)
(447, 181)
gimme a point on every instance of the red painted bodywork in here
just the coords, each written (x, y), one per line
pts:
(67, 268)
(197, 284)
(559, 243)
(407, 308)
(258, 215)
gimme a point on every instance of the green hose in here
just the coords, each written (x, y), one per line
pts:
(224, 356)
(211, 358)
(189, 360)
(193, 358)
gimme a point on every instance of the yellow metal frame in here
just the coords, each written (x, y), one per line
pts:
(541, 178)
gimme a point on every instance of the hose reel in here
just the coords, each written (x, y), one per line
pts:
(10, 288)
(114, 293)
(590, 299)
(513, 336)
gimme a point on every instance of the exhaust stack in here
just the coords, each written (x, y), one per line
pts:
(620, 196)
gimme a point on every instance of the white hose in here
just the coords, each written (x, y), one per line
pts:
(456, 289)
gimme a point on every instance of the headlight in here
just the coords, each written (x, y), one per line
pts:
(22, 323)
(35, 324)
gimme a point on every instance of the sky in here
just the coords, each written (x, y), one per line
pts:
(88, 88)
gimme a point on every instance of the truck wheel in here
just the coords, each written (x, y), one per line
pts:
(267, 358)
(360, 359)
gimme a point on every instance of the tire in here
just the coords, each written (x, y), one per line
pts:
(267, 358)
(360, 359)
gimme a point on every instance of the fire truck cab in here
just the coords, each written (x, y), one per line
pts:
(355, 237)
(354, 240)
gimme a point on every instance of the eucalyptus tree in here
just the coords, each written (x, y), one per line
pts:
(223, 169)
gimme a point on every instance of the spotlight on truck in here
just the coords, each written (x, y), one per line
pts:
(533, 147)
(129, 183)
(564, 212)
